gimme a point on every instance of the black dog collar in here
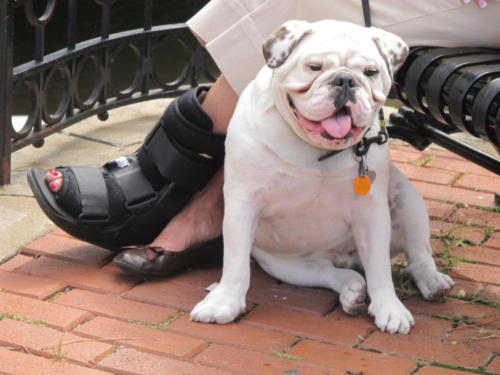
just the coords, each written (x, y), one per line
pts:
(361, 148)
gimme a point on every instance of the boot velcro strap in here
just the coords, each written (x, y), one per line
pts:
(93, 196)
(174, 165)
(136, 188)
(192, 135)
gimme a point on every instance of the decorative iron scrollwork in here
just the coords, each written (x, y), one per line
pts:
(75, 97)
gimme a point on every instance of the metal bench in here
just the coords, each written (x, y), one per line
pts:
(448, 90)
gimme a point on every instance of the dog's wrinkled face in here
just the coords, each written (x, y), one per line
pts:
(331, 78)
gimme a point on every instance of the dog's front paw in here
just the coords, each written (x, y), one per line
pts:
(218, 307)
(391, 315)
(433, 284)
(353, 297)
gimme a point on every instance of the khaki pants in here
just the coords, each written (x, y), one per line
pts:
(233, 30)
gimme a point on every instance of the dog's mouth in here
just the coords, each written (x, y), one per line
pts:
(338, 126)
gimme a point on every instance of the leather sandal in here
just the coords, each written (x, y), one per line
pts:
(156, 261)
(129, 200)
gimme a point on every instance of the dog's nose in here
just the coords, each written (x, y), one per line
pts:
(344, 80)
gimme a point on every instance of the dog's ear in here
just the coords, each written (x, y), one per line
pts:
(392, 48)
(281, 43)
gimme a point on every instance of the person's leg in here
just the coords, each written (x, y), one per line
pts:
(201, 219)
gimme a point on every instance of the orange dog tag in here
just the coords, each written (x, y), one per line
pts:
(362, 185)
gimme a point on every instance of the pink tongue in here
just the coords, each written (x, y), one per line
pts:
(338, 126)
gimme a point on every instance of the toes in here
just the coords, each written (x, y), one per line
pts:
(437, 287)
(54, 179)
(353, 298)
(218, 307)
(53, 175)
(395, 319)
(56, 185)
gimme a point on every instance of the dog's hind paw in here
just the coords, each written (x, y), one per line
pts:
(433, 284)
(436, 286)
(353, 297)
(218, 307)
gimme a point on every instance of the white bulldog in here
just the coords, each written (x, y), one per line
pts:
(301, 218)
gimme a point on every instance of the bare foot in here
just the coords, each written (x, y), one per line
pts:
(55, 180)
(199, 221)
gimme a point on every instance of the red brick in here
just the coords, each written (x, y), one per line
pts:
(198, 277)
(451, 308)
(478, 254)
(60, 232)
(241, 361)
(491, 292)
(483, 336)
(13, 263)
(436, 176)
(307, 325)
(429, 370)
(483, 183)
(309, 300)
(468, 289)
(28, 285)
(265, 289)
(114, 307)
(477, 272)
(405, 155)
(442, 228)
(471, 234)
(50, 343)
(432, 151)
(460, 165)
(54, 268)
(429, 327)
(464, 288)
(144, 338)
(453, 194)
(167, 293)
(68, 249)
(469, 215)
(234, 334)
(493, 241)
(438, 245)
(54, 315)
(16, 363)
(355, 360)
(132, 362)
(413, 346)
(439, 210)
(109, 279)
(494, 366)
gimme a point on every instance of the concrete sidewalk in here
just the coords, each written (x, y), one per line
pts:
(65, 309)
(90, 142)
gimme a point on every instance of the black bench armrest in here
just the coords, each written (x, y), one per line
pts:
(450, 90)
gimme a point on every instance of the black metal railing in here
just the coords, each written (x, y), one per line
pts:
(35, 79)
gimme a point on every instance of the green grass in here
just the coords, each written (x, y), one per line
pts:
(161, 326)
(37, 323)
(286, 356)
(403, 283)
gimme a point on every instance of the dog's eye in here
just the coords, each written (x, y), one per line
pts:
(370, 72)
(315, 67)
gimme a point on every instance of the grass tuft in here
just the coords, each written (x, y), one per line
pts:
(161, 326)
(286, 356)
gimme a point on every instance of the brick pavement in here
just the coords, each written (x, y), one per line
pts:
(64, 309)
